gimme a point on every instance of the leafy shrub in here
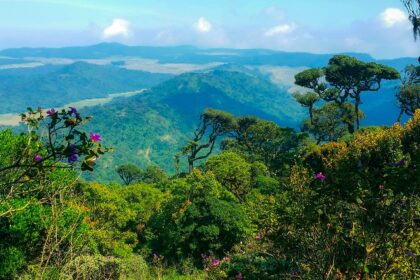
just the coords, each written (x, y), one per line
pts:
(102, 267)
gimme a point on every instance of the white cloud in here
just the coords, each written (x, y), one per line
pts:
(203, 25)
(393, 16)
(280, 29)
(119, 27)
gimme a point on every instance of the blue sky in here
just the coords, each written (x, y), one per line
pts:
(378, 27)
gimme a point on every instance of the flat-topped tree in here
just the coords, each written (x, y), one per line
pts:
(307, 100)
(346, 78)
(213, 124)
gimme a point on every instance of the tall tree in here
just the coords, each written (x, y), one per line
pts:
(346, 78)
(213, 125)
(264, 141)
(408, 95)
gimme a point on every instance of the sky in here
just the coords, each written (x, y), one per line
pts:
(378, 27)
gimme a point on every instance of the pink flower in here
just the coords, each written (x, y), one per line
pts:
(320, 176)
(258, 236)
(37, 158)
(239, 276)
(215, 264)
(226, 259)
(95, 137)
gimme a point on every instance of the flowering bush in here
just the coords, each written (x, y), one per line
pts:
(36, 173)
(358, 212)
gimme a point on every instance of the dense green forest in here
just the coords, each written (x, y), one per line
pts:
(331, 200)
(165, 116)
(57, 85)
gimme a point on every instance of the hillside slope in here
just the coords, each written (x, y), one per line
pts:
(151, 128)
(56, 85)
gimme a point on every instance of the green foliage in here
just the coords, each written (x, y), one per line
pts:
(307, 100)
(129, 173)
(310, 78)
(232, 171)
(345, 78)
(150, 128)
(200, 218)
(214, 124)
(101, 267)
(264, 141)
(55, 86)
(118, 215)
(39, 228)
(272, 205)
(408, 96)
(331, 122)
(361, 218)
(153, 175)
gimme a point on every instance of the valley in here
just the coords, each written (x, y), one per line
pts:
(157, 123)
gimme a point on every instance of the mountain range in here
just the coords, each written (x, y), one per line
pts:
(150, 128)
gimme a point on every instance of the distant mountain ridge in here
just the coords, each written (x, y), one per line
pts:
(194, 55)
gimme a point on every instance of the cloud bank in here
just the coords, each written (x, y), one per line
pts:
(385, 35)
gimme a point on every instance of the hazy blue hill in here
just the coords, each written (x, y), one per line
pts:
(102, 50)
(7, 61)
(381, 107)
(399, 63)
(54, 85)
(150, 128)
(189, 54)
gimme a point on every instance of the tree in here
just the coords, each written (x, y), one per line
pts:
(346, 78)
(129, 173)
(232, 171)
(213, 124)
(307, 100)
(41, 225)
(408, 95)
(331, 122)
(413, 8)
(153, 175)
(54, 141)
(200, 218)
(264, 141)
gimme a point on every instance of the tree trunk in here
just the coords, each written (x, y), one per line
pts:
(357, 103)
(311, 114)
(190, 165)
(400, 116)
